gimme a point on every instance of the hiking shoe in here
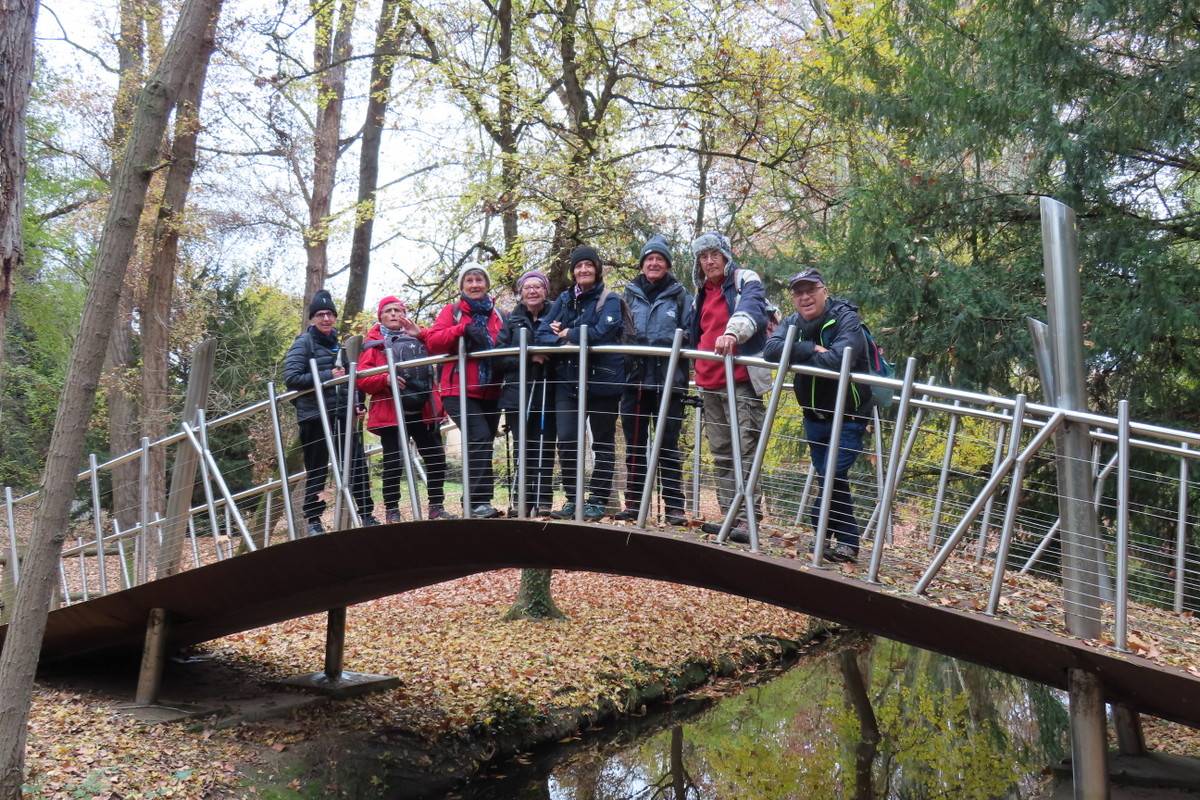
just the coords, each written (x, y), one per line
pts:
(485, 511)
(439, 512)
(315, 528)
(677, 518)
(540, 511)
(843, 553)
(566, 512)
(368, 521)
(593, 512)
(739, 534)
(392, 517)
(711, 527)
(627, 514)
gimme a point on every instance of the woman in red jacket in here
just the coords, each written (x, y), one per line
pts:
(420, 421)
(473, 318)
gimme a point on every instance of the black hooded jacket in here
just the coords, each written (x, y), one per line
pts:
(836, 329)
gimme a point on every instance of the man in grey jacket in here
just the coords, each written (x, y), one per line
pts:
(659, 305)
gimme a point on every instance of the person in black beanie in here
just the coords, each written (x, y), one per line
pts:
(319, 341)
(659, 304)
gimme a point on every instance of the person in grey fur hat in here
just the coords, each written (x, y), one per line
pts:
(728, 318)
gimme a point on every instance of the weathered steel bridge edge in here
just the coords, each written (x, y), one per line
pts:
(312, 575)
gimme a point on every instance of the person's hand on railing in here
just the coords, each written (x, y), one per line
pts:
(476, 338)
(338, 372)
(559, 329)
(725, 344)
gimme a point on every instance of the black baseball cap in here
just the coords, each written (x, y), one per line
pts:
(810, 275)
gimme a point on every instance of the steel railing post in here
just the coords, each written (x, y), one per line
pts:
(231, 508)
(1181, 533)
(414, 497)
(805, 493)
(831, 456)
(94, 477)
(909, 442)
(341, 490)
(1120, 638)
(696, 466)
(739, 478)
(522, 422)
(13, 559)
(889, 481)
(206, 480)
(145, 545)
(581, 421)
(464, 446)
(351, 436)
(943, 478)
(985, 523)
(281, 459)
(660, 429)
(760, 449)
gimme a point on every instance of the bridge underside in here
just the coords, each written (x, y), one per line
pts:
(311, 575)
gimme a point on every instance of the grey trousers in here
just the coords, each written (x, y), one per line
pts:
(751, 413)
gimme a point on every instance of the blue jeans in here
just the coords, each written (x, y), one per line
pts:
(842, 523)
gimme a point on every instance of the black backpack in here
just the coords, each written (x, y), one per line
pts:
(418, 381)
(628, 327)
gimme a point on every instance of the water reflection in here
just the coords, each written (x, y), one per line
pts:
(876, 720)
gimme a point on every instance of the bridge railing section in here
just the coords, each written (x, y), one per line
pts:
(951, 483)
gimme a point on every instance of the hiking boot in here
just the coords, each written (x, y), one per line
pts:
(439, 512)
(739, 534)
(368, 521)
(392, 517)
(540, 511)
(844, 553)
(485, 511)
(676, 517)
(711, 527)
(627, 514)
(315, 528)
(566, 512)
(593, 512)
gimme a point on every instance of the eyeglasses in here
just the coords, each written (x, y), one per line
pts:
(803, 289)
(325, 315)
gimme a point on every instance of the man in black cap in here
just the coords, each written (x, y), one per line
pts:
(320, 342)
(827, 326)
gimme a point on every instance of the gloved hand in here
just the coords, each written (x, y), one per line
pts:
(476, 338)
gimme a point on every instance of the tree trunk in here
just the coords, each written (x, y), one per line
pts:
(160, 284)
(330, 54)
(17, 20)
(18, 661)
(857, 697)
(510, 173)
(382, 65)
(533, 598)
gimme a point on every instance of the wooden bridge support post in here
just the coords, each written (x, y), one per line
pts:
(154, 657)
(1128, 725)
(1089, 736)
(335, 643)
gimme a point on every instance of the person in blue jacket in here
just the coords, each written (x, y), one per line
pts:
(826, 326)
(586, 303)
(659, 305)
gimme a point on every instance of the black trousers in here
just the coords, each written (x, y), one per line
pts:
(540, 434)
(602, 419)
(639, 405)
(428, 440)
(483, 420)
(316, 464)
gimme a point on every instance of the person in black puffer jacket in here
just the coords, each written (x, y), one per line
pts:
(320, 342)
(659, 305)
(581, 305)
(826, 326)
(540, 430)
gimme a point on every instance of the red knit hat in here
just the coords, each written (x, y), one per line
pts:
(387, 301)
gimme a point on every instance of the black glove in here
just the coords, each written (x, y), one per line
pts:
(476, 338)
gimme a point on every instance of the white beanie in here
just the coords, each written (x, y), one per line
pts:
(462, 273)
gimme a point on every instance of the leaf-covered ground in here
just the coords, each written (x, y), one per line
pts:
(460, 666)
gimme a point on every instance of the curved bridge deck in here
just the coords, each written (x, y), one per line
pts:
(311, 575)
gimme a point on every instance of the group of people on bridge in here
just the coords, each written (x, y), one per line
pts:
(729, 314)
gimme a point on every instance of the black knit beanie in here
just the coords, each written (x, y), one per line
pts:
(321, 301)
(585, 252)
